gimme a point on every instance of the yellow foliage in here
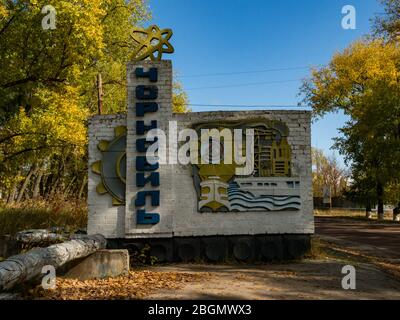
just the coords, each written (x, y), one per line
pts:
(3, 11)
(57, 116)
(180, 99)
(363, 82)
(352, 75)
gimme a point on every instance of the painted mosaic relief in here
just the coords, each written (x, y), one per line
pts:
(270, 187)
(112, 167)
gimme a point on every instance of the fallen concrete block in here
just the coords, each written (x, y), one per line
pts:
(101, 264)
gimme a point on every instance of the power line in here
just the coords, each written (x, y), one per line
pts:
(239, 84)
(241, 72)
(244, 84)
(244, 106)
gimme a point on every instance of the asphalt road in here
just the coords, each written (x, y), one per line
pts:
(378, 239)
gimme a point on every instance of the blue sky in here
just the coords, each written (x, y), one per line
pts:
(226, 36)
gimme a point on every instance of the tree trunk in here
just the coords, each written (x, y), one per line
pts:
(36, 188)
(379, 194)
(100, 94)
(28, 266)
(396, 213)
(69, 186)
(84, 182)
(53, 189)
(13, 193)
(32, 171)
(11, 196)
(368, 210)
(44, 184)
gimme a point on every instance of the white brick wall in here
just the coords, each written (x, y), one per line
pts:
(188, 222)
(178, 210)
(103, 217)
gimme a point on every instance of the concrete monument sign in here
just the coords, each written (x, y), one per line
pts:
(217, 185)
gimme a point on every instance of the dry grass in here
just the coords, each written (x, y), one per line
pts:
(136, 285)
(71, 215)
(352, 214)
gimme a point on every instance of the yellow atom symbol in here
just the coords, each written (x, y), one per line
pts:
(150, 41)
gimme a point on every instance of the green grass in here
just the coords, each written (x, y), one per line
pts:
(71, 216)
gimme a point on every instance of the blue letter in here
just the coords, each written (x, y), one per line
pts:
(142, 108)
(141, 181)
(141, 128)
(143, 165)
(141, 198)
(146, 92)
(142, 144)
(147, 218)
(152, 74)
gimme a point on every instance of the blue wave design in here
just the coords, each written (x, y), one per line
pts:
(263, 198)
(245, 201)
(243, 208)
(233, 187)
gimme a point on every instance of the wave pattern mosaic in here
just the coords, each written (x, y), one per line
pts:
(270, 187)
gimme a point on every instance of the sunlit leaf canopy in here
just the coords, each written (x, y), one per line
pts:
(363, 81)
(48, 87)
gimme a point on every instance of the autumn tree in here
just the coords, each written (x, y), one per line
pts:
(363, 82)
(328, 173)
(180, 100)
(388, 24)
(48, 88)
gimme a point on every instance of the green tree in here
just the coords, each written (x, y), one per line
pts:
(362, 189)
(363, 82)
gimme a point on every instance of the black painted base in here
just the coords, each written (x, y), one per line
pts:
(268, 248)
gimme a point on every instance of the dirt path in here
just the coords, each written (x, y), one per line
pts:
(305, 280)
(353, 242)
(378, 239)
(316, 278)
(310, 279)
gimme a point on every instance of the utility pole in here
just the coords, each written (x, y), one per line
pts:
(99, 94)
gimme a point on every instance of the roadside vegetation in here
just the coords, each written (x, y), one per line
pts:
(49, 88)
(352, 214)
(362, 81)
(47, 93)
(68, 214)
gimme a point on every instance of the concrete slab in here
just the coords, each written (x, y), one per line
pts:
(102, 264)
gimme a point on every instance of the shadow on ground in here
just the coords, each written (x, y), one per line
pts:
(309, 279)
